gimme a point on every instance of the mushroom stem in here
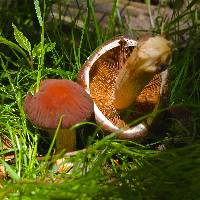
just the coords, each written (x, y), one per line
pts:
(129, 84)
(66, 140)
(149, 58)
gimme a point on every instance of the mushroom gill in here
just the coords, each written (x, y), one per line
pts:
(115, 63)
(102, 80)
(103, 75)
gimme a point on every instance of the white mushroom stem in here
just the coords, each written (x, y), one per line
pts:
(65, 140)
(144, 62)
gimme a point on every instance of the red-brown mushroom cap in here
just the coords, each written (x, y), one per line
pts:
(58, 98)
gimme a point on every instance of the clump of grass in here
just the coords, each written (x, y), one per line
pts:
(110, 168)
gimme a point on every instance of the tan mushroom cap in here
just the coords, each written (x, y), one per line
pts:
(58, 98)
(98, 77)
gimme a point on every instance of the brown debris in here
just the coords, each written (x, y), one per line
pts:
(102, 81)
(3, 173)
(6, 145)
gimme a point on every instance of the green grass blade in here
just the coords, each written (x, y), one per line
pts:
(10, 171)
(91, 13)
(22, 40)
(12, 45)
(148, 2)
(192, 3)
(4, 66)
(41, 58)
(38, 12)
(47, 156)
(112, 19)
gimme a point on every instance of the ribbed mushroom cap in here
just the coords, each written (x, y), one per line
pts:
(58, 98)
(98, 77)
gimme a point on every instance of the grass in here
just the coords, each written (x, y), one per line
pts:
(34, 48)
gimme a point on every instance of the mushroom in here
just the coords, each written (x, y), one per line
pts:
(57, 100)
(127, 79)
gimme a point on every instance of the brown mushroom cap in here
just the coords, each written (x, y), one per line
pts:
(98, 77)
(58, 98)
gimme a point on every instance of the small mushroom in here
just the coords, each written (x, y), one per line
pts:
(59, 100)
(127, 79)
